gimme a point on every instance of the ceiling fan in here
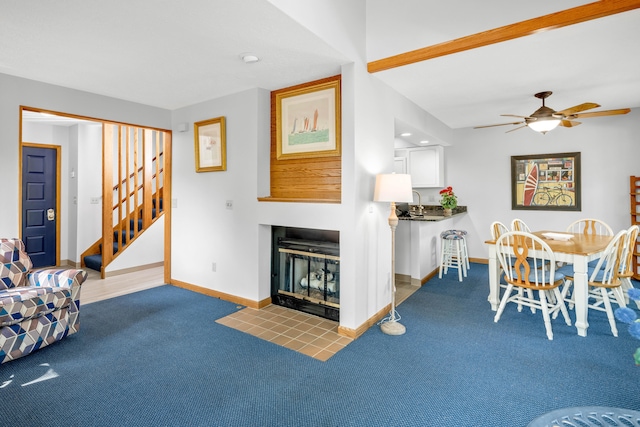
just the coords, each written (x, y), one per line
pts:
(545, 119)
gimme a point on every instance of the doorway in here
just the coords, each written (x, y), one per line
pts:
(40, 203)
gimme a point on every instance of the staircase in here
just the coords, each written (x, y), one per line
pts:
(121, 237)
(134, 171)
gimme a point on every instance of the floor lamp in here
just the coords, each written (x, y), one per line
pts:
(393, 188)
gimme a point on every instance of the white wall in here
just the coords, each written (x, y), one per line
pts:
(204, 231)
(478, 166)
(147, 249)
(69, 243)
(89, 179)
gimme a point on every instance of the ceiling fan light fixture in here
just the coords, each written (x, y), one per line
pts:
(544, 126)
(545, 119)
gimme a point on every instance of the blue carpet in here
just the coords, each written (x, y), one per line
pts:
(157, 358)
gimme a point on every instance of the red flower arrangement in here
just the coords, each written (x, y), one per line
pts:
(448, 200)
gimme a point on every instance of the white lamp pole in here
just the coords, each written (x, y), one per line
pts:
(393, 188)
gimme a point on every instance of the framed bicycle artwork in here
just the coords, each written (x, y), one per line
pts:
(548, 182)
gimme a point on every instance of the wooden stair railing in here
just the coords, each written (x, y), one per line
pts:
(133, 173)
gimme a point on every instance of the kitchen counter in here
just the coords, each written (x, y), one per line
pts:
(433, 213)
(418, 240)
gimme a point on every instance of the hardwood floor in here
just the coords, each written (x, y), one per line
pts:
(97, 289)
(404, 289)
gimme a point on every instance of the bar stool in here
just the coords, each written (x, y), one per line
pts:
(453, 253)
(465, 252)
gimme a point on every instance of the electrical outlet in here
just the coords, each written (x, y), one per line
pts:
(174, 203)
(213, 267)
(229, 204)
(95, 200)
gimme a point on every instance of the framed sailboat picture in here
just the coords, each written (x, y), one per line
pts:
(546, 182)
(308, 121)
(210, 145)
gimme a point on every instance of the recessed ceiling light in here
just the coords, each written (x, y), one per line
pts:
(405, 134)
(249, 58)
(424, 141)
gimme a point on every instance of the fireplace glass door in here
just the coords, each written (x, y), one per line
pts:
(309, 277)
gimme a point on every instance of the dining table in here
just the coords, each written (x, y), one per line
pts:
(573, 248)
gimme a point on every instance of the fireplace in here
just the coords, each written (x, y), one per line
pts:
(306, 271)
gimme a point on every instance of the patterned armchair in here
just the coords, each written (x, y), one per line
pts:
(38, 307)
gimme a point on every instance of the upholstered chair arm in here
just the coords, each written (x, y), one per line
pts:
(57, 277)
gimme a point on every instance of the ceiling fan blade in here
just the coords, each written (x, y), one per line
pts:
(523, 126)
(499, 124)
(515, 115)
(569, 123)
(601, 113)
(577, 108)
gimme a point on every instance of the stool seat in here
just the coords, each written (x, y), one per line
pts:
(453, 253)
(461, 233)
(452, 236)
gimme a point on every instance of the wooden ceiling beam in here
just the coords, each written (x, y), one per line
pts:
(552, 21)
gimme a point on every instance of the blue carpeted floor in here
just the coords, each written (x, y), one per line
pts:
(157, 358)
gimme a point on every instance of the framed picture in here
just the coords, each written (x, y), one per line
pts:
(210, 145)
(308, 121)
(548, 182)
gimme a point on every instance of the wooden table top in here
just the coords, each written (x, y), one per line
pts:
(579, 244)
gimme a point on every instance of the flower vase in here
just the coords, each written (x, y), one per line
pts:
(447, 212)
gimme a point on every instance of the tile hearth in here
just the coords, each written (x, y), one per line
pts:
(295, 330)
(305, 333)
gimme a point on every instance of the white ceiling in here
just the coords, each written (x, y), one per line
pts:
(171, 54)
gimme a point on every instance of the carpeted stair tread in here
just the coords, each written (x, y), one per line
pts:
(95, 261)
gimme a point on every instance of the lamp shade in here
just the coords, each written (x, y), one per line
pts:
(393, 187)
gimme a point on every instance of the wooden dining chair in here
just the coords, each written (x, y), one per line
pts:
(498, 229)
(626, 266)
(590, 226)
(603, 280)
(522, 256)
(519, 225)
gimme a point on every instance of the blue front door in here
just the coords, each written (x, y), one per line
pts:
(39, 216)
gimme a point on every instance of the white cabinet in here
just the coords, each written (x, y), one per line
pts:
(399, 165)
(425, 165)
